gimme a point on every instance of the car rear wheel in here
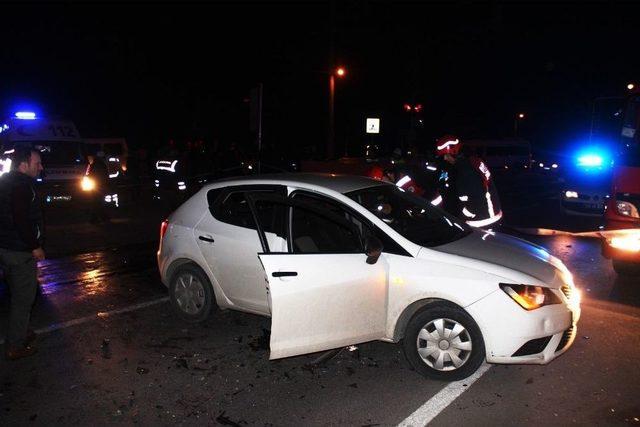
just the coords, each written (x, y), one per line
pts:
(191, 294)
(626, 268)
(444, 343)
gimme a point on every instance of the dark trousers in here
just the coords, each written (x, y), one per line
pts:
(21, 274)
(98, 208)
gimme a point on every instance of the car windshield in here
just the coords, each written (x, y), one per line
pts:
(413, 217)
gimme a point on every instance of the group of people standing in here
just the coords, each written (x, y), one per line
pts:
(463, 186)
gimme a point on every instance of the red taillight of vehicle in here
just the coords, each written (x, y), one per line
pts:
(163, 228)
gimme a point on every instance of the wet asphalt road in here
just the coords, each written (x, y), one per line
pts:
(111, 351)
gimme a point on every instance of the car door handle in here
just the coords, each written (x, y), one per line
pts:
(284, 273)
(206, 239)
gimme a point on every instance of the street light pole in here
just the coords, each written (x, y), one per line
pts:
(340, 72)
(331, 134)
(519, 116)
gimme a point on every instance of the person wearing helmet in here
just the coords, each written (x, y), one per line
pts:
(466, 186)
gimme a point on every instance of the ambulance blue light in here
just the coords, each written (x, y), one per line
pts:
(26, 115)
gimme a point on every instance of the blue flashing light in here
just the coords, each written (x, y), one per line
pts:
(590, 160)
(26, 115)
(594, 159)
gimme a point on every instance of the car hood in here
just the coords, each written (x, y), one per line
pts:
(513, 253)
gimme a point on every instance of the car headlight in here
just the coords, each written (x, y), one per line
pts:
(627, 209)
(87, 184)
(530, 297)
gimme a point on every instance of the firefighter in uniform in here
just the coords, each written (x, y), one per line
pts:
(466, 186)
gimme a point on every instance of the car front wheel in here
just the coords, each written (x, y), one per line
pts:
(191, 294)
(443, 342)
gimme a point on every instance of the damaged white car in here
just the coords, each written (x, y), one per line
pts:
(342, 260)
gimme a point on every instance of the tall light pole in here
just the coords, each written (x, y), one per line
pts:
(518, 117)
(340, 72)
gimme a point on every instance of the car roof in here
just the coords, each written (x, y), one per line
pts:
(336, 182)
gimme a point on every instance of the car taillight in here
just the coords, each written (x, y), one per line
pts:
(163, 228)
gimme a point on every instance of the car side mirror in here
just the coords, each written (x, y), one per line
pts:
(373, 249)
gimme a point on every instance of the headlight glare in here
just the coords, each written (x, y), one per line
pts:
(87, 184)
(530, 297)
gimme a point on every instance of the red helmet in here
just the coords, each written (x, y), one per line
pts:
(448, 144)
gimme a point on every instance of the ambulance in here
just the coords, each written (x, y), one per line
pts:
(61, 148)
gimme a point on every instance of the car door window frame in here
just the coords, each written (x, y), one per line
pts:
(390, 246)
(248, 191)
(327, 215)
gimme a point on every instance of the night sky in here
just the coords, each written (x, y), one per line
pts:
(153, 72)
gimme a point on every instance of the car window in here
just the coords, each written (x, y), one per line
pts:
(324, 227)
(272, 217)
(234, 209)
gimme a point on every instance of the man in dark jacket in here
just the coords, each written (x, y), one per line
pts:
(20, 247)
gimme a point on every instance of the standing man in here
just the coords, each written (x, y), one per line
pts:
(466, 185)
(21, 238)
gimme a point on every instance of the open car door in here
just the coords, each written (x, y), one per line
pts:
(324, 301)
(323, 292)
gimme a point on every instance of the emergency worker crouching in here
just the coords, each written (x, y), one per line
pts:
(466, 186)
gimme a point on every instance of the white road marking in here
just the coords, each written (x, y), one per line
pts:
(434, 406)
(99, 315)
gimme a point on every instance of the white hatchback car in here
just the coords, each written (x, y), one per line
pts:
(341, 260)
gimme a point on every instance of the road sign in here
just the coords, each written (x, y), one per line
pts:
(373, 125)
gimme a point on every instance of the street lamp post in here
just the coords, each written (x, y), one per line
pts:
(340, 72)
